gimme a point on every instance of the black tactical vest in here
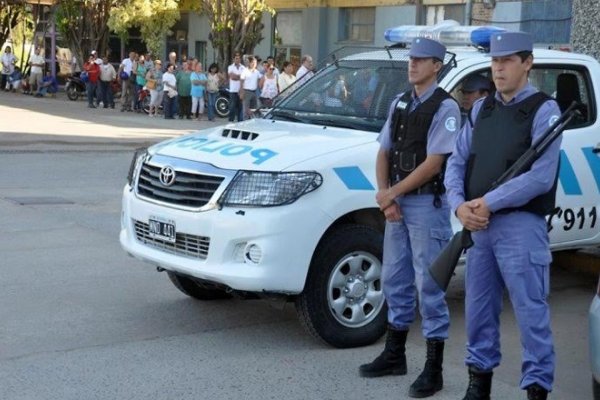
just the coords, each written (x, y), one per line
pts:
(500, 136)
(409, 139)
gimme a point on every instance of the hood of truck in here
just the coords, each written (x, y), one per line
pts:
(262, 144)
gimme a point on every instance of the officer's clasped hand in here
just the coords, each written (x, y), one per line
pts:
(474, 214)
(393, 213)
(385, 198)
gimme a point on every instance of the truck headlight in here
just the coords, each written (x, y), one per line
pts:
(265, 189)
(139, 157)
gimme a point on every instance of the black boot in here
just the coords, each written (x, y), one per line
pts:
(430, 380)
(392, 361)
(480, 385)
(536, 392)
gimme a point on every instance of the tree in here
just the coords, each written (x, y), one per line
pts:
(18, 20)
(236, 26)
(10, 15)
(154, 18)
(83, 25)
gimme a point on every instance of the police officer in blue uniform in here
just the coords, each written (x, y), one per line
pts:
(473, 88)
(511, 247)
(418, 135)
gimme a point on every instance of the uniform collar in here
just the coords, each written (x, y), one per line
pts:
(426, 94)
(521, 95)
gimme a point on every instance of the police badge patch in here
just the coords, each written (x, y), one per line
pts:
(450, 124)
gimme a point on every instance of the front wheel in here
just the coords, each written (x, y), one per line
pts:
(196, 289)
(342, 302)
(222, 106)
(72, 92)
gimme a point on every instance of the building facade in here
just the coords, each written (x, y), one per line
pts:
(318, 27)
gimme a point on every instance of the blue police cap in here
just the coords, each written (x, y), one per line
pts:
(426, 48)
(507, 43)
(476, 82)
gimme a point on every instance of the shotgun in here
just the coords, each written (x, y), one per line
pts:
(443, 267)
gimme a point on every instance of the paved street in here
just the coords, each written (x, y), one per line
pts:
(82, 320)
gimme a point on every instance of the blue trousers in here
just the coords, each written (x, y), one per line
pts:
(91, 92)
(169, 105)
(410, 246)
(212, 99)
(236, 109)
(512, 253)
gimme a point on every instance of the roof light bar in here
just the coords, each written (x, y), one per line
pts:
(448, 32)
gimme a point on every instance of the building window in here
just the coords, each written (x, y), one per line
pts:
(357, 24)
(288, 37)
(436, 14)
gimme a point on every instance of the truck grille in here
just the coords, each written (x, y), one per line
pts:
(185, 244)
(192, 190)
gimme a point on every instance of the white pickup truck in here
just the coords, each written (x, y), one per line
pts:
(284, 206)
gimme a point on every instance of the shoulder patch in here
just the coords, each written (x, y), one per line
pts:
(450, 124)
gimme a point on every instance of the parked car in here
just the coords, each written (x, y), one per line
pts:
(595, 342)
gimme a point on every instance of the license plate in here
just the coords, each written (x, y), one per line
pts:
(161, 229)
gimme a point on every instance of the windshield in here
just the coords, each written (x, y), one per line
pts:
(353, 94)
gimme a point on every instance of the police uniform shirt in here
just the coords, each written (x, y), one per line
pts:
(519, 190)
(443, 129)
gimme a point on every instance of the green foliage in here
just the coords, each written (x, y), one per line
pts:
(236, 25)
(83, 25)
(154, 18)
(11, 14)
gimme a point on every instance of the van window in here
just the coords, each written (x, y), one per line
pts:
(566, 84)
(563, 83)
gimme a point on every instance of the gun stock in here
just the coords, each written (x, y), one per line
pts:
(443, 267)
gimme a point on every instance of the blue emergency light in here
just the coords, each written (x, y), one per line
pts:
(448, 32)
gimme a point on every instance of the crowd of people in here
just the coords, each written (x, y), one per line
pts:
(177, 88)
(37, 84)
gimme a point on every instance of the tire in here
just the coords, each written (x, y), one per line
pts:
(72, 92)
(196, 289)
(222, 106)
(145, 104)
(342, 303)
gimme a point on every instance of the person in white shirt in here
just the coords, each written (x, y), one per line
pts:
(107, 75)
(268, 87)
(36, 72)
(249, 83)
(271, 61)
(8, 65)
(170, 91)
(286, 78)
(305, 72)
(127, 82)
(234, 71)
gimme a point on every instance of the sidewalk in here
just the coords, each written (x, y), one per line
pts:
(34, 123)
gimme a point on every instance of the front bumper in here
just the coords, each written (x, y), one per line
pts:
(284, 238)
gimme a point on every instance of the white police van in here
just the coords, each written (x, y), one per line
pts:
(284, 206)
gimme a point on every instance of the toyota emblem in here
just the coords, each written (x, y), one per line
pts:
(167, 175)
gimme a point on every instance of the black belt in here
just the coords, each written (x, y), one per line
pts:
(428, 188)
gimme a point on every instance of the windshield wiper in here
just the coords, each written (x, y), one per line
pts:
(338, 123)
(287, 115)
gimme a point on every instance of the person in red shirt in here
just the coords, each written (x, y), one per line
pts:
(93, 72)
